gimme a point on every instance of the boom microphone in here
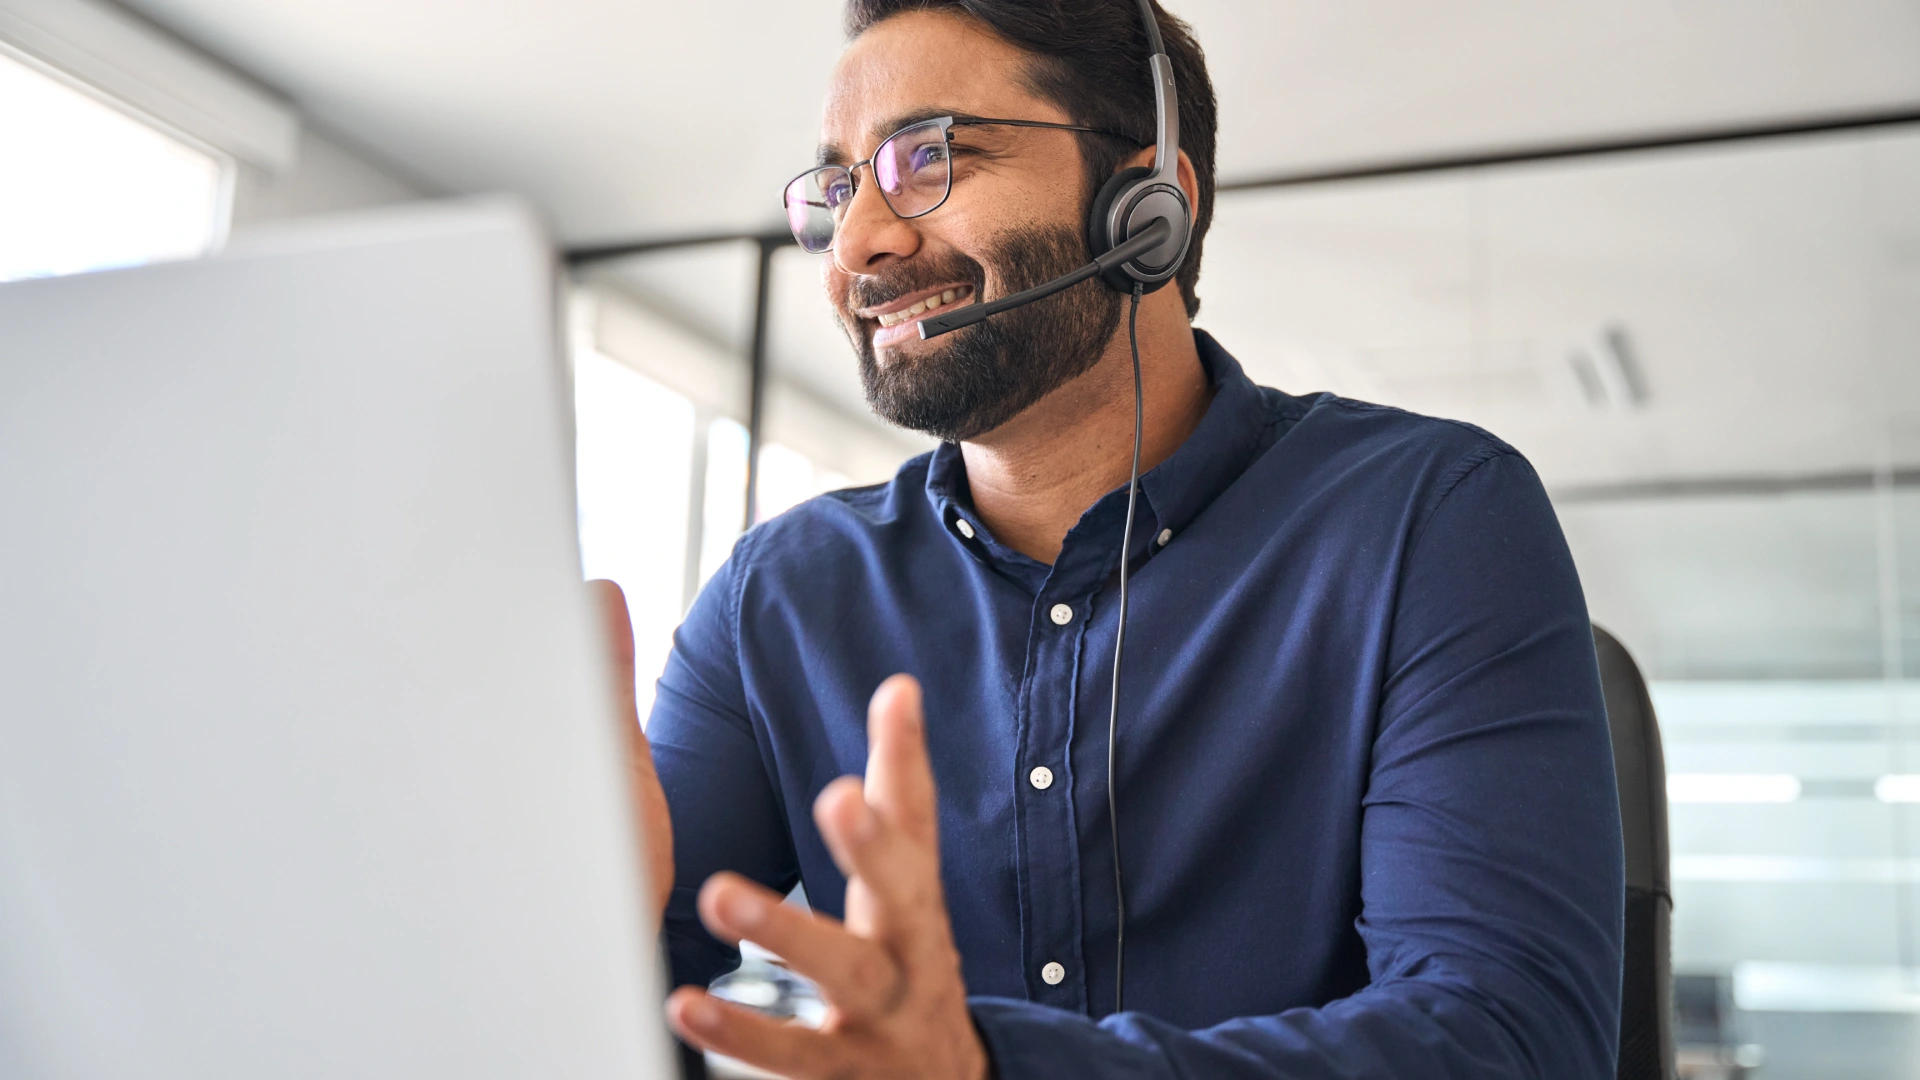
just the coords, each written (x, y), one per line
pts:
(1151, 237)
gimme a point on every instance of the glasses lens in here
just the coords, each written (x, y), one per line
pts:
(913, 169)
(815, 203)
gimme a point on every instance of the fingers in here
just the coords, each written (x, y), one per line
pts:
(895, 879)
(884, 834)
(866, 845)
(618, 626)
(649, 800)
(855, 974)
(899, 776)
(617, 629)
(779, 1047)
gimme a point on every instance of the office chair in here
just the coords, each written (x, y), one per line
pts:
(1640, 773)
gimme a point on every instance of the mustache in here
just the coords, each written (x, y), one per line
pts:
(912, 276)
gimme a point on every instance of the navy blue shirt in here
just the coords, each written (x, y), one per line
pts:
(1367, 808)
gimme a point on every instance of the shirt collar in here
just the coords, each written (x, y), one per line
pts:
(1172, 493)
(1217, 452)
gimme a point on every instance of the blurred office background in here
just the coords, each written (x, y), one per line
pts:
(1710, 350)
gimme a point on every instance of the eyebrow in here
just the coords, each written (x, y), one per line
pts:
(834, 154)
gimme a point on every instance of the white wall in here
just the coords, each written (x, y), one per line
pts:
(326, 176)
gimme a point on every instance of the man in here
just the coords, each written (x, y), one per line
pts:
(1367, 822)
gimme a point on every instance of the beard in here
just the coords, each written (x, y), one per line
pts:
(987, 374)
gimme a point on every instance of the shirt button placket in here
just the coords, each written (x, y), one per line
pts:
(1054, 943)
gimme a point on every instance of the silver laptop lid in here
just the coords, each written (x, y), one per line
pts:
(307, 763)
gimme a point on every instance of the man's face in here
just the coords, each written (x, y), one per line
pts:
(1014, 218)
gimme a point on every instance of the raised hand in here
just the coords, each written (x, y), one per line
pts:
(651, 822)
(890, 973)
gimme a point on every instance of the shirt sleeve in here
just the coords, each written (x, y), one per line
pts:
(1492, 882)
(727, 814)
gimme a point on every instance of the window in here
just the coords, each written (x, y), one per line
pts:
(787, 479)
(89, 187)
(725, 502)
(634, 445)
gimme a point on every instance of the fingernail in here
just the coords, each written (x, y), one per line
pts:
(743, 911)
(700, 1014)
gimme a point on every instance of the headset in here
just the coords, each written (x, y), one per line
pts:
(1138, 229)
(1132, 252)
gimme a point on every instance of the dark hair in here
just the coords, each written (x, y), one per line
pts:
(1091, 60)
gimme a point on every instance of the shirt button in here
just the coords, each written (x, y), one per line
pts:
(1062, 614)
(1053, 974)
(963, 527)
(1166, 537)
(1041, 777)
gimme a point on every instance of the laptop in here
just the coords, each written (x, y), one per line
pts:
(308, 761)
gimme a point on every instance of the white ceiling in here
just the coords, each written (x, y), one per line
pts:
(640, 117)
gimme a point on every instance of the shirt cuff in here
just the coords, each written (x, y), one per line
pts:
(1025, 1041)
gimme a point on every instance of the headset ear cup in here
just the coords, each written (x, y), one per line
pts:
(1099, 237)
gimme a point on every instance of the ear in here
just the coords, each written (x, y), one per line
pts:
(1189, 182)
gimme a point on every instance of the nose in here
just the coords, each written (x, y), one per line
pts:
(871, 233)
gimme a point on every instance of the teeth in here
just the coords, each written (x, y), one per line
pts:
(895, 318)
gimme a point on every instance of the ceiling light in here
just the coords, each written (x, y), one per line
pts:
(1732, 788)
(1898, 787)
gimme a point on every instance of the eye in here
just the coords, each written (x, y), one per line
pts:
(838, 192)
(927, 155)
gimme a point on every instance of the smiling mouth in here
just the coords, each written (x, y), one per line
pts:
(952, 297)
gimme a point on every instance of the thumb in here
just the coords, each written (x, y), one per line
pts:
(617, 632)
(650, 801)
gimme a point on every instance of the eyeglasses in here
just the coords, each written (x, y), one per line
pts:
(914, 168)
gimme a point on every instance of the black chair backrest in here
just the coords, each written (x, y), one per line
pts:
(1640, 771)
